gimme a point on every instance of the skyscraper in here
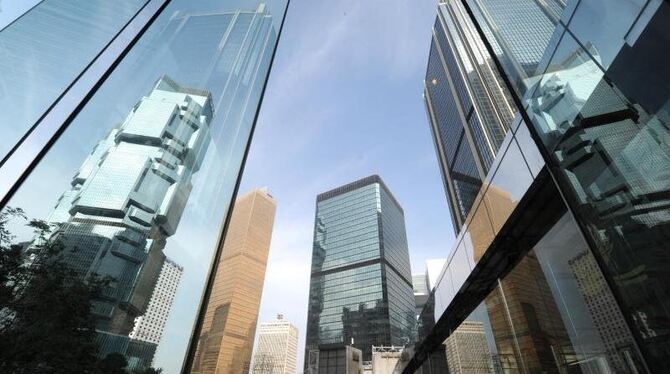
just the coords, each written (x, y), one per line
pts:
(469, 110)
(277, 348)
(149, 326)
(229, 327)
(127, 199)
(360, 288)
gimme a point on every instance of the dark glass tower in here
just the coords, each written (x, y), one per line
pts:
(360, 288)
(468, 109)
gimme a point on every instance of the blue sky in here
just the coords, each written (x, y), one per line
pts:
(344, 101)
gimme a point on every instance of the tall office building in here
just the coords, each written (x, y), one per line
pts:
(469, 110)
(149, 326)
(560, 254)
(229, 326)
(360, 288)
(127, 199)
(277, 349)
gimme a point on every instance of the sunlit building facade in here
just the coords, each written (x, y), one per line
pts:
(277, 348)
(559, 259)
(229, 328)
(360, 289)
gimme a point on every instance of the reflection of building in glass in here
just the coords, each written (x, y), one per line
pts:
(360, 288)
(467, 350)
(469, 110)
(149, 326)
(224, 52)
(277, 349)
(227, 338)
(127, 199)
(605, 313)
(529, 315)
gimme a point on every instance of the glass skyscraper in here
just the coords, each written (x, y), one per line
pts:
(560, 261)
(360, 288)
(468, 108)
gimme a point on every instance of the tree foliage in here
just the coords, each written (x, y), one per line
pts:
(46, 325)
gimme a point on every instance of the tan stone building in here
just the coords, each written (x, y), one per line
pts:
(227, 338)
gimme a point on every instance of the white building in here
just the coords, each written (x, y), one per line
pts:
(149, 327)
(277, 349)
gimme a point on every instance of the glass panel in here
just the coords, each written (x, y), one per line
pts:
(35, 67)
(599, 339)
(10, 11)
(471, 347)
(460, 267)
(480, 232)
(508, 186)
(603, 25)
(529, 149)
(520, 31)
(129, 203)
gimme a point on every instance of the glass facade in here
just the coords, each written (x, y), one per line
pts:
(595, 105)
(145, 171)
(360, 289)
(468, 107)
(35, 69)
(582, 293)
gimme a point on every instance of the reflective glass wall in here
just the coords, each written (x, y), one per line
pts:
(595, 96)
(108, 243)
(553, 313)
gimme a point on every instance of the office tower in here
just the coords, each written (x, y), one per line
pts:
(126, 201)
(360, 287)
(229, 326)
(562, 245)
(277, 349)
(149, 326)
(420, 291)
(467, 350)
(469, 110)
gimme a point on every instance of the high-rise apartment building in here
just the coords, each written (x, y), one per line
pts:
(360, 287)
(226, 342)
(277, 348)
(149, 326)
(559, 254)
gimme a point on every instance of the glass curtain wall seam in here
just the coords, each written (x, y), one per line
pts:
(17, 164)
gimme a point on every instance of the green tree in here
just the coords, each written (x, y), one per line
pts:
(46, 325)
